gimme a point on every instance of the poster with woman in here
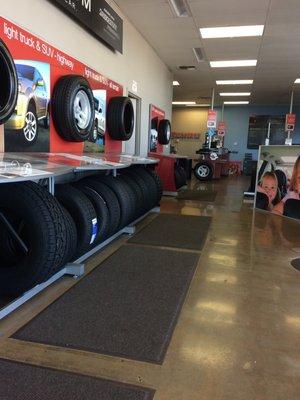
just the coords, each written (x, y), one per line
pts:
(278, 180)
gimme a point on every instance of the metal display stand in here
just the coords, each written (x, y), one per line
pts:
(20, 167)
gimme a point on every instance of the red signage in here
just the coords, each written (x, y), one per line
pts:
(212, 119)
(290, 122)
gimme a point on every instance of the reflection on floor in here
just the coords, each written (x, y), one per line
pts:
(238, 336)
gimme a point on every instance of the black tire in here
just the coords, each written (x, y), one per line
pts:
(31, 129)
(203, 171)
(151, 185)
(68, 90)
(137, 193)
(101, 211)
(147, 201)
(110, 199)
(164, 131)
(158, 183)
(120, 118)
(124, 198)
(71, 236)
(83, 213)
(9, 84)
(179, 180)
(37, 217)
(94, 135)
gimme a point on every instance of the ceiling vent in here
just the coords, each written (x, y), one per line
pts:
(186, 67)
(180, 8)
(198, 54)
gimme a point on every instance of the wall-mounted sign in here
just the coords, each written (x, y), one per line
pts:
(212, 119)
(290, 122)
(97, 17)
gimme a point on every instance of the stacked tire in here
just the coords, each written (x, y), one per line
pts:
(180, 176)
(40, 233)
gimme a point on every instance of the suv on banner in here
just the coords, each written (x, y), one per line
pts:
(32, 105)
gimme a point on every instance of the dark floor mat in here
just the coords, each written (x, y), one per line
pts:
(197, 195)
(127, 307)
(180, 231)
(26, 382)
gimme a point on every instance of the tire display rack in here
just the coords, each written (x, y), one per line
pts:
(60, 167)
(172, 172)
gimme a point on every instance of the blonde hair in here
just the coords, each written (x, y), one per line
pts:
(269, 174)
(293, 184)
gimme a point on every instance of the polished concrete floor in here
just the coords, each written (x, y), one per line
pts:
(238, 336)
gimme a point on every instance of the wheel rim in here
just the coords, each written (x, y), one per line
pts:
(82, 110)
(168, 133)
(30, 128)
(203, 171)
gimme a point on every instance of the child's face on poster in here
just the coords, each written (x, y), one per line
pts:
(270, 187)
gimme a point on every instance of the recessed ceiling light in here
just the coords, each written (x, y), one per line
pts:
(297, 80)
(182, 103)
(233, 63)
(236, 94)
(232, 31)
(198, 54)
(180, 8)
(235, 82)
(236, 102)
(176, 83)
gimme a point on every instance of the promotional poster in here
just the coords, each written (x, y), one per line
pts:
(156, 115)
(278, 181)
(39, 66)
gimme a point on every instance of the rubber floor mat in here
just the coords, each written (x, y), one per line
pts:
(179, 231)
(127, 307)
(197, 195)
(25, 382)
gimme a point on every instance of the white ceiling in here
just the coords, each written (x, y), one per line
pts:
(278, 51)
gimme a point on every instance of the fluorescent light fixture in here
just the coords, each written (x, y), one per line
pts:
(180, 8)
(233, 63)
(297, 80)
(236, 102)
(198, 54)
(176, 83)
(183, 103)
(236, 82)
(232, 31)
(198, 105)
(235, 94)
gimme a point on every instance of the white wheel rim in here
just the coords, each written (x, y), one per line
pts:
(203, 171)
(82, 110)
(30, 128)
(168, 134)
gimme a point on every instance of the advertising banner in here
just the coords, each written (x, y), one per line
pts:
(39, 66)
(156, 115)
(97, 17)
(290, 122)
(212, 119)
(278, 180)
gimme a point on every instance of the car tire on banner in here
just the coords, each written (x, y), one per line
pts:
(9, 84)
(110, 199)
(31, 128)
(36, 247)
(120, 118)
(83, 213)
(164, 131)
(73, 108)
(101, 211)
(203, 171)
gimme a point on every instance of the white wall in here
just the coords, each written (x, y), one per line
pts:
(139, 61)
